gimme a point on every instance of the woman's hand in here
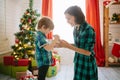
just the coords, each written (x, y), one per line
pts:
(64, 43)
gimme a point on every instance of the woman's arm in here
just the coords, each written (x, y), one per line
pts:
(50, 46)
(79, 50)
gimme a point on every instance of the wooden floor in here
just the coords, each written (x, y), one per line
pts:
(109, 73)
(66, 73)
(66, 69)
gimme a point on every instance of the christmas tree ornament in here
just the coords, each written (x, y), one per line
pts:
(16, 40)
(29, 43)
(16, 45)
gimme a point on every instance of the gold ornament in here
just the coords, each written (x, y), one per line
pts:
(16, 45)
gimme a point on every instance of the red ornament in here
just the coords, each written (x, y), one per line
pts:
(106, 3)
(116, 50)
(29, 20)
(117, 0)
(53, 62)
(49, 35)
(16, 40)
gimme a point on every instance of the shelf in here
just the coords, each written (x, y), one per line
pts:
(116, 3)
(110, 26)
(115, 23)
(114, 64)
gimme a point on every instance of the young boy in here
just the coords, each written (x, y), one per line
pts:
(43, 49)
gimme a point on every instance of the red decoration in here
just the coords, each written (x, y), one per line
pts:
(117, 0)
(16, 40)
(106, 3)
(53, 62)
(109, 2)
(49, 35)
(8, 60)
(116, 50)
(23, 62)
(55, 52)
(29, 20)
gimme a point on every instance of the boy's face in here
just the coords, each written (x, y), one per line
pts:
(45, 31)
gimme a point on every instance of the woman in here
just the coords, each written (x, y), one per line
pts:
(85, 67)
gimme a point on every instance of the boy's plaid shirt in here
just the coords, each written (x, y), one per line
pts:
(43, 57)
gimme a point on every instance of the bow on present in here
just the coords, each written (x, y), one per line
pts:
(107, 3)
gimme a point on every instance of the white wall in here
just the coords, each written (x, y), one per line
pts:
(13, 11)
(101, 18)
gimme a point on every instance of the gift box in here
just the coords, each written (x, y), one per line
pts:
(5, 69)
(8, 60)
(19, 75)
(18, 69)
(35, 70)
(56, 56)
(58, 65)
(116, 50)
(52, 71)
(21, 62)
(53, 62)
(34, 63)
(28, 78)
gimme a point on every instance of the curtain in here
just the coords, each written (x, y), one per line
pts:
(47, 11)
(92, 17)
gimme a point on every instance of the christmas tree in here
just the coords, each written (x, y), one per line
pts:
(24, 39)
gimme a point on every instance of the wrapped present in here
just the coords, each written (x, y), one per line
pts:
(21, 62)
(18, 69)
(116, 50)
(53, 62)
(58, 65)
(52, 71)
(34, 63)
(35, 70)
(8, 60)
(5, 69)
(28, 76)
(19, 75)
(57, 57)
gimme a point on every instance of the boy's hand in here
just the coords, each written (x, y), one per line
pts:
(56, 38)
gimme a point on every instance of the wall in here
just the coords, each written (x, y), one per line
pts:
(101, 18)
(10, 20)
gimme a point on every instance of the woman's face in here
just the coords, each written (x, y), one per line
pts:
(70, 19)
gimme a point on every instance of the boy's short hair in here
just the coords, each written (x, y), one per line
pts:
(47, 22)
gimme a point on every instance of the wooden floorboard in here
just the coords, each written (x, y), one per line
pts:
(66, 73)
(67, 69)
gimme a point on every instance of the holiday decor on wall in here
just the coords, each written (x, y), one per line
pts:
(108, 3)
(24, 39)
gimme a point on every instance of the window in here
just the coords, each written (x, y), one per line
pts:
(62, 28)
